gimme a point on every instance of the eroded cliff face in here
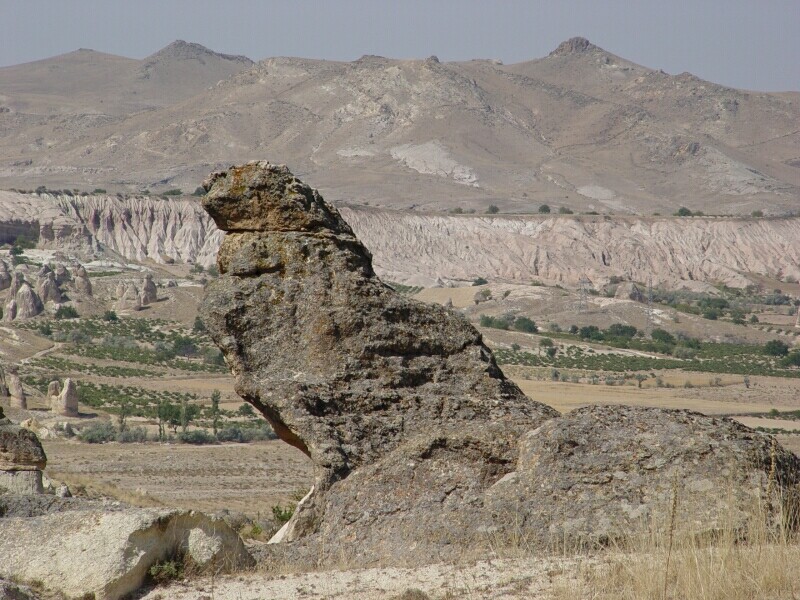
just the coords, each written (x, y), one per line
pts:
(134, 228)
(423, 248)
(418, 249)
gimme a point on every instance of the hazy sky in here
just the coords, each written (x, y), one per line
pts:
(748, 44)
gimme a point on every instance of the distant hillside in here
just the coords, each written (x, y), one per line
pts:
(580, 128)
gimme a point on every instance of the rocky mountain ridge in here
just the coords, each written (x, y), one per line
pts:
(580, 128)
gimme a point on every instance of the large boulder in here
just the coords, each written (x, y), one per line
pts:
(108, 554)
(602, 472)
(423, 449)
(342, 366)
(22, 459)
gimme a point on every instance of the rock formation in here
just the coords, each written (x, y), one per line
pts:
(4, 393)
(5, 276)
(22, 302)
(22, 459)
(297, 278)
(149, 290)
(65, 402)
(62, 274)
(48, 289)
(53, 389)
(423, 449)
(15, 389)
(81, 282)
(130, 299)
(629, 291)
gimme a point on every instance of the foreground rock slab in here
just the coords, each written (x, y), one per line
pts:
(80, 552)
(423, 449)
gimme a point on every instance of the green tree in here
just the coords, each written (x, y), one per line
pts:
(215, 397)
(620, 330)
(525, 325)
(776, 348)
(544, 209)
(245, 410)
(492, 210)
(198, 326)
(590, 332)
(683, 212)
(665, 337)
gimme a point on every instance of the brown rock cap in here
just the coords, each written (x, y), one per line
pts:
(260, 196)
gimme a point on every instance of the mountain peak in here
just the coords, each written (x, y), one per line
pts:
(182, 50)
(575, 45)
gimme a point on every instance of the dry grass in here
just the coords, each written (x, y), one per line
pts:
(759, 562)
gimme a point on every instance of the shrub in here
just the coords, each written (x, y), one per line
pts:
(792, 359)
(99, 191)
(776, 348)
(590, 332)
(66, 312)
(620, 330)
(166, 571)
(665, 337)
(132, 435)
(479, 281)
(683, 212)
(184, 346)
(544, 209)
(110, 316)
(546, 343)
(282, 514)
(494, 322)
(98, 433)
(525, 325)
(199, 191)
(492, 210)
(173, 192)
(197, 437)
(564, 211)
(684, 352)
(245, 410)
(757, 213)
(213, 356)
